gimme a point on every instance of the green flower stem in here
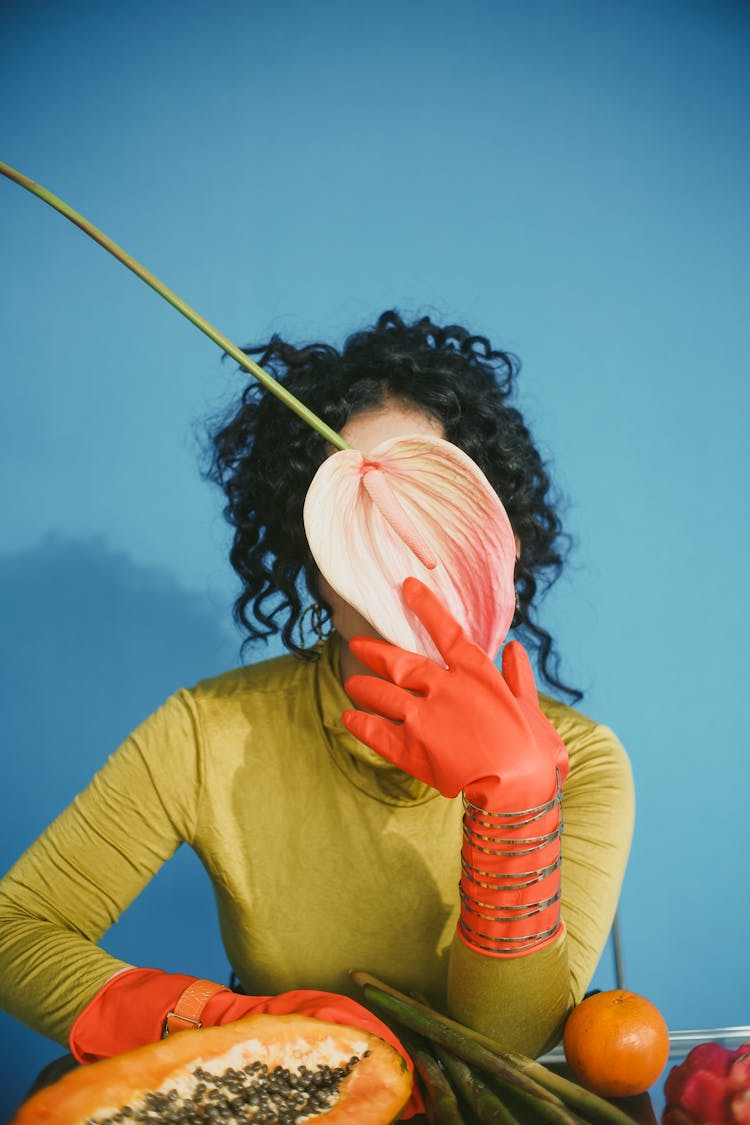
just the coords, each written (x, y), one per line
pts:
(195, 318)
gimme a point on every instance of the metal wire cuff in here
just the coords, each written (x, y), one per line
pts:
(505, 944)
(476, 818)
(520, 818)
(509, 845)
(510, 912)
(487, 832)
(535, 843)
(508, 881)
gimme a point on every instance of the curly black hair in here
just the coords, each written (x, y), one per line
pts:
(264, 457)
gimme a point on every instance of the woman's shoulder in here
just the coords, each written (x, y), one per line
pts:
(269, 695)
(280, 673)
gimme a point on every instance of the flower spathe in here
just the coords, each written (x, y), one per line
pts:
(417, 506)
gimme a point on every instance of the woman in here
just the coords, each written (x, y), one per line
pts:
(416, 834)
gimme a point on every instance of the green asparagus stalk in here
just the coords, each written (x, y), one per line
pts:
(476, 1093)
(505, 1067)
(412, 1014)
(590, 1105)
(440, 1101)
(194, 317)
(483, 1102)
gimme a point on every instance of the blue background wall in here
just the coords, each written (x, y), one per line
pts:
(567, 176)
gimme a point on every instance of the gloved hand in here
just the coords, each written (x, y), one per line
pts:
(466, 726)
(137, 1006)
(471, 727)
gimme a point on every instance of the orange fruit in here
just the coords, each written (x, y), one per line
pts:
(616, 1043)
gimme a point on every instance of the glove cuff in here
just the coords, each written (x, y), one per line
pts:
(138, 1006)
(510, 878)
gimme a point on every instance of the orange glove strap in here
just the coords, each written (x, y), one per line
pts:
(189, 1007)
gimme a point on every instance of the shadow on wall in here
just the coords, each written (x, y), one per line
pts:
(91, 644)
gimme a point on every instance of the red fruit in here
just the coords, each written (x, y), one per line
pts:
(675, 1081)
(741, 1108)
(674, 1116)
(710, 1056)
(699, 1091)
(738, 1077)
(704, 1096)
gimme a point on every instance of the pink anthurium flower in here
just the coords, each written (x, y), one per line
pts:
(416, 506)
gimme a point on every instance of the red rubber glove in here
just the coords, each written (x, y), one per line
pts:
(470, 727)
(132, 1007)
(466, 726)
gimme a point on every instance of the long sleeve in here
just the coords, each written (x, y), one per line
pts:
(523, 1001)
(65, 892)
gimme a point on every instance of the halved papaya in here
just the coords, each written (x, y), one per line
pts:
(274, 1070)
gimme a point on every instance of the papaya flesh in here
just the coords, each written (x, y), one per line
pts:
(264, 1069)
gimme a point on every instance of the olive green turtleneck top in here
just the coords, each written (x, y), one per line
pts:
(323, 857)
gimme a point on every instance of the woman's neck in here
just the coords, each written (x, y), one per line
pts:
(349, 665)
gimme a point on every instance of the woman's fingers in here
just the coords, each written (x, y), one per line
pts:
(407, 669)
(410, 669)
(378, 695)
(389, 740)
(439, 623)
(381, 735)
(517, 672)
